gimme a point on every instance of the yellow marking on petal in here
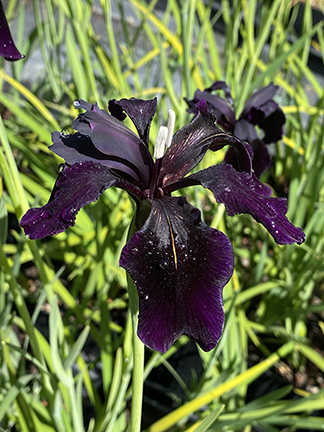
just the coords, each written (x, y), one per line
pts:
(173, 245)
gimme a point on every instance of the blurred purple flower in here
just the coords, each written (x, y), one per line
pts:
(178, 263)
(260, 110)
(8, 48)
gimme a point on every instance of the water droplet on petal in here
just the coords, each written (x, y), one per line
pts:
(46, 214)
(76, 103)
(227, 189)
(135, 251)
(67, 214)
(182, 247)
(163, 264)
(150, 243)
(146, 297)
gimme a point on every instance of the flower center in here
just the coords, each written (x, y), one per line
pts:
(164, 136)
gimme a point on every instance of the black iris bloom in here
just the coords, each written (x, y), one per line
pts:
(260, 123)
(178, 263)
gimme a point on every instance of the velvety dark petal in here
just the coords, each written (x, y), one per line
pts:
(217, 105)
(180, 266)
(191, 105)
(190, 144)
(111, 137)
(141, 112)
(8, 48)
(79, 148)
(261, 159)
(272, 125)
(245, 131)
(221, 85)
(259, 98)
(75, 187)
(244, 193)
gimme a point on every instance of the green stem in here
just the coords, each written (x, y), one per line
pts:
(137, 381)
(138, 353)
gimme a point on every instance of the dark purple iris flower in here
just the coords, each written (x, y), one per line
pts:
(8, 48)
(260, 110)
(178, 263)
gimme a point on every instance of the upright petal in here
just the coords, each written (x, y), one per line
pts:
(261, 159)
(141, 112)
(76, 148)
(222, 109)
(8, 48)
(180, 266)
(221, 85)
(244, 193)
(75, 187)
(272, 123)
(219, 107)
(245, 131)
(190, 144)
(111, 137)
(259, 98)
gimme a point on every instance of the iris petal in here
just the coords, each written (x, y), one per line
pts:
(261, 158)
(75, 187)
(217, 105)
(111, 137)
(180, 266)
(221, 85)
(8, 48)
(245, 131)
(190, 144)
(244, 193)
(259, 98)
(272, 125)
(79, 148)
(140, 111)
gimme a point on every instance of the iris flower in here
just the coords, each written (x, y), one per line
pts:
(178, 263)
(8, 48)
(260, 112)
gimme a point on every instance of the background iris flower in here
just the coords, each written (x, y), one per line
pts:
(178, 263)
(260, 112)
(8, 48)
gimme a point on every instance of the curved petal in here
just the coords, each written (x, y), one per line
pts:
(259, 98)
(217, 105)
(221, 85)
(261, 159)
(180, 266)
(190, 144)
(244, 193)
(111, 137)
(79, 148)
(75, 187)
(8, 48)
(272, 125)
(245, 131)
(141, 112)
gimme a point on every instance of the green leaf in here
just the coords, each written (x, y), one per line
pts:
(3, 221)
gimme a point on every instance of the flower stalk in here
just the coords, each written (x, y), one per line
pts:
(138, 350)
